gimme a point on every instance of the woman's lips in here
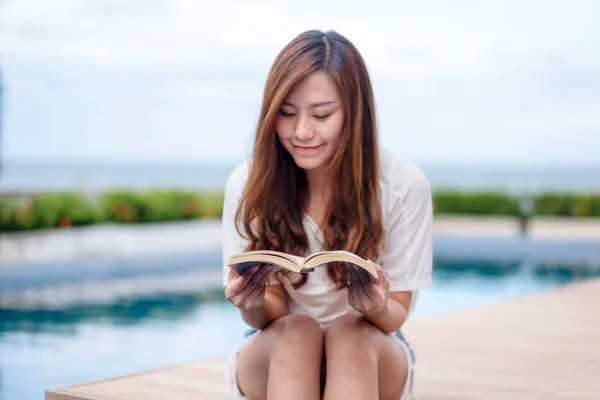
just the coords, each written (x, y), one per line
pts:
(306, 149)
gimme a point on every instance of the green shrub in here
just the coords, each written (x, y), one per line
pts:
(568, 205)
(3, 212)
(64, 210)
(51, 210)
(211, 205)
(475, 203)
(159, 206)
(595, 207)
(71, 209)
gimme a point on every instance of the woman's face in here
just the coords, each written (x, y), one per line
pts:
(310, 121)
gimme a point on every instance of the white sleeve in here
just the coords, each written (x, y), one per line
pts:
(232, 241)
(407, 256)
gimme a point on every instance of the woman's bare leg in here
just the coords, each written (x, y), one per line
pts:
(362, 361)
(282, 361)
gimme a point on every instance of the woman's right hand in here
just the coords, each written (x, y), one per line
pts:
(247, 291)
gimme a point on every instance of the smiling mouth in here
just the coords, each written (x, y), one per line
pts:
(307, 148)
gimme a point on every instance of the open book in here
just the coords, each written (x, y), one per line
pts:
(242, 261)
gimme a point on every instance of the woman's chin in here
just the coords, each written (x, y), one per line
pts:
(309, 163)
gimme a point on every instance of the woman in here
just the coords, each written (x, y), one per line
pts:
(317, 180)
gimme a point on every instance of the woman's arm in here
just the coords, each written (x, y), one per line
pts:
(392, 316)
(259, 303)
(384, 309)
(274, 307)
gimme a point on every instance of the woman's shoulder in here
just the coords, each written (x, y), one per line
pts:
(399, 175)
(237, 177)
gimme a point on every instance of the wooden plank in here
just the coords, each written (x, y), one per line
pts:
(199, 380)
(543, 346)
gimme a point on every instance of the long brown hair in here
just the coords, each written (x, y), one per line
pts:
(274, 199)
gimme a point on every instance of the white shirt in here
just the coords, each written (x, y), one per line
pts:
(407, 255)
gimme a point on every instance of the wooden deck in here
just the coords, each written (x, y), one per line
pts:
(545, 346)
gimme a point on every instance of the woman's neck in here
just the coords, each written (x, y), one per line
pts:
(318, 182)
(319, 193)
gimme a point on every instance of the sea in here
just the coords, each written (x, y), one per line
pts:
(29, 176)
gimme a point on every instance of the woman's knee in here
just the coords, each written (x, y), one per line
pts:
(351, 330)
(298, 329)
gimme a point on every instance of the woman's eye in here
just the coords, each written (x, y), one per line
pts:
(322, 116)
(285, 114)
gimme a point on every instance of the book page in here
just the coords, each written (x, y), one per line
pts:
(282, 260)
(324, 257)
(242, 267)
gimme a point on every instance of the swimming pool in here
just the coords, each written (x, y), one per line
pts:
(41, 349)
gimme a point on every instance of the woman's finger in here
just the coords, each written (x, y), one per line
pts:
(358, 295)
(381, 275)
(355, 300)
(247, 295)
(265, 271)
(250, 276)
(237, 289)
(353, 272)
(371, 288)
(362, 281)
(259, 280)
(238, 284)
(258, 275)
(253, 299)
(256, 284)
(255, 280)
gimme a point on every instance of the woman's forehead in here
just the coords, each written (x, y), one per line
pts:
(313, 90)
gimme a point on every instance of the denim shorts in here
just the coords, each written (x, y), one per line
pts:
(409, 389)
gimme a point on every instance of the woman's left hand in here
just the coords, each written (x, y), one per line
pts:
(367, 296)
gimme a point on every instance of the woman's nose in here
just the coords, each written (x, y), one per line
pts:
(304, 130)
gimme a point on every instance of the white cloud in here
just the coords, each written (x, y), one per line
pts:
(196, 33)
(454, 80)
(188, 32)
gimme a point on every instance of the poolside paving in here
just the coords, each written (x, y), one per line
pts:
(543, 346)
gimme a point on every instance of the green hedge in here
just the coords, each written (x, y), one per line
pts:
(71, 209)
(158, 206)
(63, 210)
(49, 211)
(568, 205)
(475, 203)
(498, 203)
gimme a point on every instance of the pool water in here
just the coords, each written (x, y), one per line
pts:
(48, 349)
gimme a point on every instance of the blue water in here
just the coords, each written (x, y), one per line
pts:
(39, 176)
(55, 348)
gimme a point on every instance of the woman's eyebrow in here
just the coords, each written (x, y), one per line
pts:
(314, 105)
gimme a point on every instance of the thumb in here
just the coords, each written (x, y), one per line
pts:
(232, 275)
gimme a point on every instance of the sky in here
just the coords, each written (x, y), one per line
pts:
(180, 81)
